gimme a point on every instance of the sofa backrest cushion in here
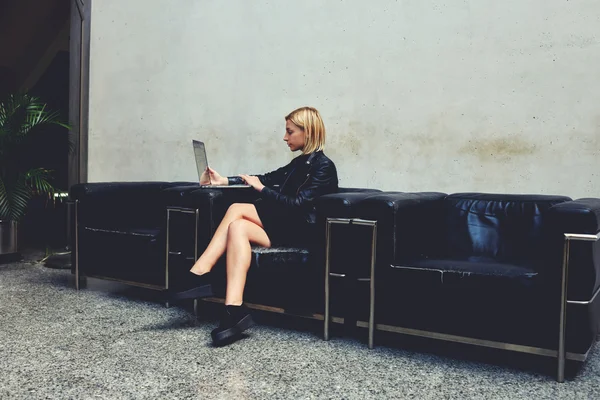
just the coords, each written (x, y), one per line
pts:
(357, 190)
(503, 227)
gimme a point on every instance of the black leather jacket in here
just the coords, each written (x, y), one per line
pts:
(298, 184)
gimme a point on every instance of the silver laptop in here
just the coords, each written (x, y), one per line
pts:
(202, 165)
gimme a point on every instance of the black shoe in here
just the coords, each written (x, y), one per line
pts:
(191, 286)
(235, 320)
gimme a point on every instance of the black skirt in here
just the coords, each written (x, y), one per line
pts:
(283, 226)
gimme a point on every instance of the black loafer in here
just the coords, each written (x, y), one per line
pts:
(235, 320)
(192, 286)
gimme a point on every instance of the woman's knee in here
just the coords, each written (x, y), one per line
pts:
(237, 229)
(234, 208)
(238, 208)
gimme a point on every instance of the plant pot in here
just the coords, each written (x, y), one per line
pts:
(8, 238)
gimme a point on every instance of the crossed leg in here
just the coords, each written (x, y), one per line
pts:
(241, 233)
(240, 226)
(218, 244)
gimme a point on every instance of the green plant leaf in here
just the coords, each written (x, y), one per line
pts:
(18, 198)
(4, 203)
(20, 115)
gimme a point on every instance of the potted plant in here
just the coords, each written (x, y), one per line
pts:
(22, 117)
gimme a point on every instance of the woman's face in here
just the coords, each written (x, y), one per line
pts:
(294, 136)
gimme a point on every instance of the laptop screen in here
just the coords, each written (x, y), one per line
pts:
(201, 160)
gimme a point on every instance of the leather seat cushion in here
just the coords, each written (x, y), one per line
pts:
(476, 272)
(276, 257)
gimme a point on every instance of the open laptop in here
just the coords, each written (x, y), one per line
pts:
(202, 165)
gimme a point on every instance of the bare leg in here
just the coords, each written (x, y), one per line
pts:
(218, 243)
(241, 233)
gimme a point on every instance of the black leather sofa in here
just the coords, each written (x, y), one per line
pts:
(483, 269)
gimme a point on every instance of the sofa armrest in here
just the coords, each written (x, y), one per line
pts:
(581, 216)
(177, 196)
(409, 225)
(120, 204)
(343, 203)
(577, 216)
(116, 190)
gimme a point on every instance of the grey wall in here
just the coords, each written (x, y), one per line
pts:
(416, 95)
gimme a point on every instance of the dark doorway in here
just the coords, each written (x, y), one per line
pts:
(45, 222)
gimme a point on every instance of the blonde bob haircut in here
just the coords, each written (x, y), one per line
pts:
(309, 120)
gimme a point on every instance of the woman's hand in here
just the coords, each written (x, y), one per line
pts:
(253, 181)
(210, 176)
(205, 177)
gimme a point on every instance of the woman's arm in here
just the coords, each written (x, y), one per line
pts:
(270, 179)
(323, 180)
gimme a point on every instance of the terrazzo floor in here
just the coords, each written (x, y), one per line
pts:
(109, 343)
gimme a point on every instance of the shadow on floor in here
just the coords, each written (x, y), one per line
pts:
(208, 313)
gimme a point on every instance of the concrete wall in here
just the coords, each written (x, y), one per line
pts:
(417, 95)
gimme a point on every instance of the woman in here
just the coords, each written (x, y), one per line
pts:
(283, 215)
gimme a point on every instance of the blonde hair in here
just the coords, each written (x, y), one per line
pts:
(309, 120)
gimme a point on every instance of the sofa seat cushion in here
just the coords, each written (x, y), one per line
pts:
(478, 298)
(278, 277)
(278, 257)
(474, 272)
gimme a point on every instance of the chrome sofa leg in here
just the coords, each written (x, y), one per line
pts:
(327, 317)
(563, 313)
(167, 255)
(77, 275)
(329, 274)
(372, 288)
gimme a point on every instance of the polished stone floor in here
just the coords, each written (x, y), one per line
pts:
(109, 342)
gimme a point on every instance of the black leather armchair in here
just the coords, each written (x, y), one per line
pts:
(121, 234)
(486, 269)
(286, 278)
(121, 228)
(119, 231)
